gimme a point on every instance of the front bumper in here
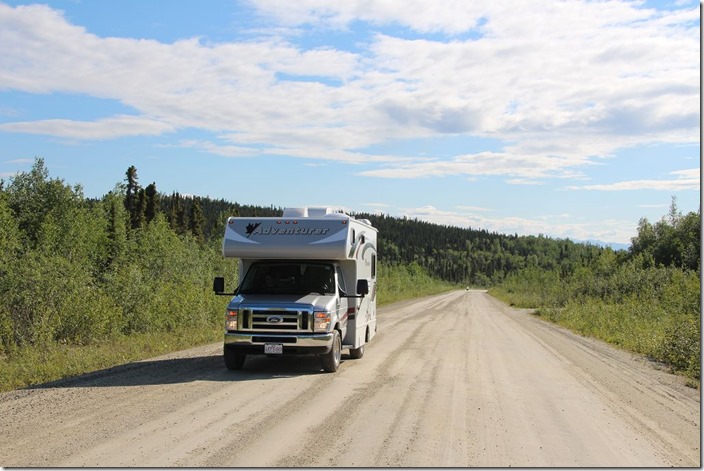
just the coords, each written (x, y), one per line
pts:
(293, 344)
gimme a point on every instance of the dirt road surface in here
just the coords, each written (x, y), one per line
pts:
(456, 380)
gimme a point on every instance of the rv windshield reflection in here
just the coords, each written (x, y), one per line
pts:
(289, 278)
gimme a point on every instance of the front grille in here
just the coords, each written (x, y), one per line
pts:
(263, 339)
(275, 320)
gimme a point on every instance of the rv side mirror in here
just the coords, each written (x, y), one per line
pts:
(363, 287)
(219, 284)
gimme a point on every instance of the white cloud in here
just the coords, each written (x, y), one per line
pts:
(450, 16)
(685, 180)
(528, 167)
(89, 130)
(309, 152)
(583, 80)
(560, 226)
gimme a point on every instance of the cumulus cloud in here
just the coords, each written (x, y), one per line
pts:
(583, 80)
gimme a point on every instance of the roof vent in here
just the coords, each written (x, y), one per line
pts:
(319, 212)
(295, 213)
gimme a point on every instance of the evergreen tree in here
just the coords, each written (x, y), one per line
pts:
(196, 221)
(139, 210)
(152, 204)
(135, 199)
(131, 190)
(181, 217)
(172, 208)
(177, 215)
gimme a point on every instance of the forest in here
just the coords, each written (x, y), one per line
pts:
(86, 283)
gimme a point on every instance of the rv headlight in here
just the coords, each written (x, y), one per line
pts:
(321, 321)
(231, 319)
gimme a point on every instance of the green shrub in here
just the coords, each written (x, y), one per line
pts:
(650, 310)
(397, 282)
(681, 346)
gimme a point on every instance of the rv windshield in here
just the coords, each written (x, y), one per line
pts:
(289, 278)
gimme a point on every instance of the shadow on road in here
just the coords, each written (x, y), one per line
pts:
(187, 370)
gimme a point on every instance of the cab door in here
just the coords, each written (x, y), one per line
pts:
(346, 307)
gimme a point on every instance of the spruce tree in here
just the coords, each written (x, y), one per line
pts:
(135, 201)
(139, 210)
(131, 188)
(196, 221)
(152, 205)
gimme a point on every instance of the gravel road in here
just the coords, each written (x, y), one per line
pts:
(458, 379)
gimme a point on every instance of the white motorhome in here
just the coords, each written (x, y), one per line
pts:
(307, 285)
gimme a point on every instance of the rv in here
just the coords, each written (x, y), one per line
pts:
(307, 285)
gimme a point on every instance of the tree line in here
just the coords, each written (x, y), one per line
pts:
(474, 256)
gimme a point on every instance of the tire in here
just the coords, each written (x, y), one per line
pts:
(357, 353)
(331, 360)
(233, 360)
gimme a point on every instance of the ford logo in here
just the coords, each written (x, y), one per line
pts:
(274, 319)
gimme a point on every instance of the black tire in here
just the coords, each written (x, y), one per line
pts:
(357, 353)
(233, 360)
(331, 360)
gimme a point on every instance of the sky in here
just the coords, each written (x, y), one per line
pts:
(571, 119)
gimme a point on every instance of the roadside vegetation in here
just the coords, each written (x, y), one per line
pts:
(83, 283)
(86, 284)
(399, 282)
(646, 300)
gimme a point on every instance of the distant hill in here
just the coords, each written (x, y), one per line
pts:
(612, 245)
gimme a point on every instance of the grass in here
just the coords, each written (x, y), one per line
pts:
(30, 365)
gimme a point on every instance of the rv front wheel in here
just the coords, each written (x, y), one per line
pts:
(331, 360)
(233, 360)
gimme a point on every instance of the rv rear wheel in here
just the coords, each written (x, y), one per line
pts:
(331, 360)
(357, 353)
(233, 360)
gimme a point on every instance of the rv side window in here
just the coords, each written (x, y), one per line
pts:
(373, 266)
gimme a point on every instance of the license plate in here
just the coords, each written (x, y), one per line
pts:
(273, 349)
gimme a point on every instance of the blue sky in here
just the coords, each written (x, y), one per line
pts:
(569, 119)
